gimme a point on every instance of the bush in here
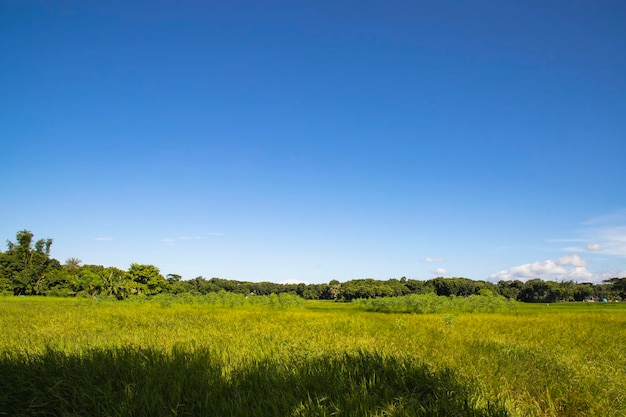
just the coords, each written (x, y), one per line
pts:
(432, 303)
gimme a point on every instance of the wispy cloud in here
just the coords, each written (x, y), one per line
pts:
(440, 271)
(433, 260)
(618, 217)
(573, 249)
(603, 234)
(606, 234)
(172, 240)
(611, 240)
(103, 238)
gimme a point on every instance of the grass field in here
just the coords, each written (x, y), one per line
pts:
(102, 358)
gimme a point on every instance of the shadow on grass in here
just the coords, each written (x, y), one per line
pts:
(144, 382)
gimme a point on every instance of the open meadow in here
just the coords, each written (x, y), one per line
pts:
(281, 356)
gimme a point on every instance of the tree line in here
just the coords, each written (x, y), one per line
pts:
(26, 268)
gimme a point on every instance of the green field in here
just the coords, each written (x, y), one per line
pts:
(87, 357)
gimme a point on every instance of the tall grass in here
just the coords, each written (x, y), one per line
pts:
(225, 299)
(145, 381)
(432, 303)
(85, 357)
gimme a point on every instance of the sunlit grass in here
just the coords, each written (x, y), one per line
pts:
(570, 362)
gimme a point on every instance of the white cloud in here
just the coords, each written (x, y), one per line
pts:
(569, 267)
(614, 273)
(594, 247)
(103, 238)
(439, 271)
(432, 260)
(604, 234)
(571, 260)
(580, 273)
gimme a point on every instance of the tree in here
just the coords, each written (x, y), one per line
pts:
(510, 289)
(171, 278)
(539, 291)
(203, 286)
(461, 287)
(419, 287)
(113, 280)
(29, 263)
(6, 283)
(72, 263)
(89, 283)
(145, 279)
(583, 291)
(618, 286)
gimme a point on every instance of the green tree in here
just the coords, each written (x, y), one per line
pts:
(6, 283)
(171, 278)
(539, 291)
(113, 282)
(62, 282)
(510, 289)
(7, 270)
(618, 286)
(72, 263)
(145, 279)
(89, 283)
(201, 285)
(399, 286)
(29, 263)
(461, 287)
(419, 287)
(583, 291)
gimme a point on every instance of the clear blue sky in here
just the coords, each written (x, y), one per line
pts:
(312, 141)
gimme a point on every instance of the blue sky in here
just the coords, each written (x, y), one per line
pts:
(311, 141)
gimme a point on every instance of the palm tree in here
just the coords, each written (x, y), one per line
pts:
(72, 263)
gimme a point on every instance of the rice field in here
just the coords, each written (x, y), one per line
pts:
(289, 358)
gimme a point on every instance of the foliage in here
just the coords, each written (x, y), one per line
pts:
(25, 265)
(145, 279)
(618, 286)
(432, 303)
(27, 269)
(462, 287)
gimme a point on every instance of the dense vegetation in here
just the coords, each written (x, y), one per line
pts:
(141, 356)
(431, 303)
(27, 268)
